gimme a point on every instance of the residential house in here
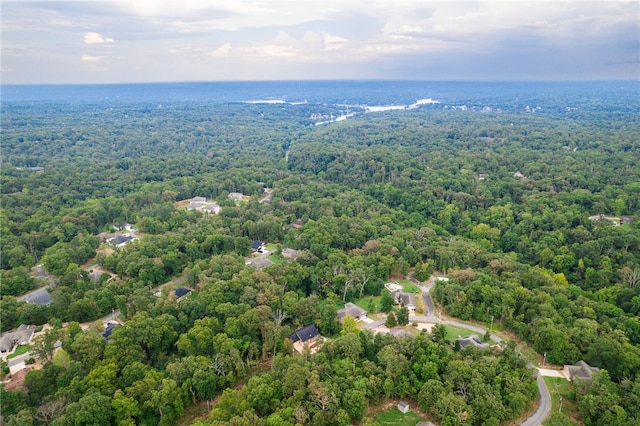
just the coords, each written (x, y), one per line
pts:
(472, 340)
(260, 263)
(202, 205)
(181, 291)
(21, 336)
(40, 297)
(236, 196)
(307, 336)
(120, 240)
(256, 245)
(352, 310)
(581, 370)
(109, 329)
(407, 300)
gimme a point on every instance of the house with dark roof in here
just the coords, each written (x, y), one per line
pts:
(581, 370)
(41, 297)
(109, 329)
(120, 240)
(472, 340)
(405, 299)
(305, 333)
(181, 291)
(352, 310)
(256, 245)
(307, 337)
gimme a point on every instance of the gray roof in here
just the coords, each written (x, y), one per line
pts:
(350, 309)
(472, 340)
(405, 299)
(261, 263)
(581, 370)
(41, 297)
(22, 334)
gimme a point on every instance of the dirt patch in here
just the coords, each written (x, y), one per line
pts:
(17, 380)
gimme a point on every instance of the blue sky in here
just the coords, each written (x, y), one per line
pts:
(153, 40)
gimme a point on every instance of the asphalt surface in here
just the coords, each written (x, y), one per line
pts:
(544, 405)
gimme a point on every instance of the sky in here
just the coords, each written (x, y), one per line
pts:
(122, 41)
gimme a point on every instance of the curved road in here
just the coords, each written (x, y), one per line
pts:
(544, 402)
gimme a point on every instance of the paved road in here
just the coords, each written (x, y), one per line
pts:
(544, 405)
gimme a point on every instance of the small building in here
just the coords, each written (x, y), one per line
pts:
(120, 240)
(403, 406)
(352, 310)
(256, 245)
(181, 291)
(407, 300)
(109, 329)
(236, 196)
(260, 263)
(581, 370)
(307, 336)
(472, 340)
(41, 297)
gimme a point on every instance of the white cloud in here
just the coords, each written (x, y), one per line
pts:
(95, 38)
(223, 51)
(91, 59)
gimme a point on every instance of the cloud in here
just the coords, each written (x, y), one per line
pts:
(95, 38)
(91, 59)
(223, 51)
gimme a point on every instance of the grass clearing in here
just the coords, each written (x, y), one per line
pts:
(454, 332)
(529, 353)
(371, 304)
(409, 287)
(275, 259)
(565, 414)
(394, 417)
(20, 350)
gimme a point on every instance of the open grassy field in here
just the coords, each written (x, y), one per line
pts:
(561, 413)
(409, 287)
(393, 417)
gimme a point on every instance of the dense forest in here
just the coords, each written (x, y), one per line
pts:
(532, 214)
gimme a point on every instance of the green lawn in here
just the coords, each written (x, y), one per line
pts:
(275, 259)
(23, 349)
(271, 247)
(409, 287)
(454, 332)
(365, 303)
(395, 417)
(560, 416)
